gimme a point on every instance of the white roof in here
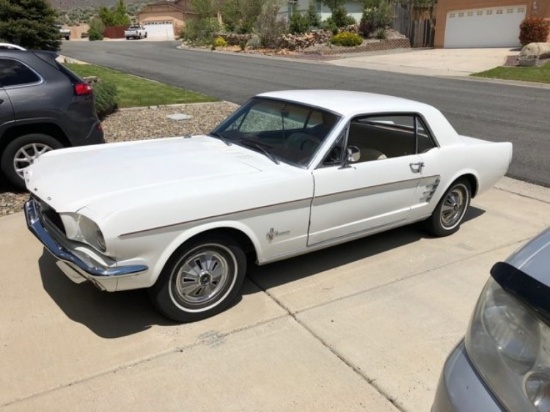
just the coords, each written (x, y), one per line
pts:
(350, 103)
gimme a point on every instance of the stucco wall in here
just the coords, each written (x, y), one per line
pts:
(444, 6)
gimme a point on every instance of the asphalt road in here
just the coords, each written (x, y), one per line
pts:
(489, 110)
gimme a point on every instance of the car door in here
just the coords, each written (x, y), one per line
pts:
(373, 193)
(6, 108)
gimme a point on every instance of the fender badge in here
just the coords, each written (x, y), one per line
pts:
(273, 234)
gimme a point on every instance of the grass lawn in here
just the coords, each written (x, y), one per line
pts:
(133, 91)
(529, 74)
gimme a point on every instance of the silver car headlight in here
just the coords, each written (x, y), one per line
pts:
(509, 345)
(82, 229)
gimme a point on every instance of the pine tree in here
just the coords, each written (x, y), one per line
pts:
(29, 24)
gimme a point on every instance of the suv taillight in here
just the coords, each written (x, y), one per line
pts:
(83, 89)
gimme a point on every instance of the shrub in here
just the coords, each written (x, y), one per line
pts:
(340, 18)
(380, 33)
(533, 30)
(375, 17)
(299, 23)
(269, 25)
(346, 39)
(96, 29)
(105, 98)
(254, 42)
(219, 42)
(201, 31)
(312, 15)
(94, 35)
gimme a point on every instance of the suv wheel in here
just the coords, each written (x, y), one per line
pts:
(21, 153)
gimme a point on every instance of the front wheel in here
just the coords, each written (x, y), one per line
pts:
(451, 209)
(22, 152)
(201, 279)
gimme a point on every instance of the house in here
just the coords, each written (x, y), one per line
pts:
(353, 7)
(166, 19)
(484, 23)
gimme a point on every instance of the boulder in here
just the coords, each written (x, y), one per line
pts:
(535, 50)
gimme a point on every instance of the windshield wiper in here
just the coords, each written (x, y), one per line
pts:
(262, 147)
(220, 136)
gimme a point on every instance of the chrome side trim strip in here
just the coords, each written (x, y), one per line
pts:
(233, 215)
(87, 270)
(256, 210)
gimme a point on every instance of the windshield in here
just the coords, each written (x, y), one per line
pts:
(284, 131)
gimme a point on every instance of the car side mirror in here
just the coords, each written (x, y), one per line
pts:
(353, 154)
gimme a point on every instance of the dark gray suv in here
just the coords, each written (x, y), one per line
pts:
(43, 106)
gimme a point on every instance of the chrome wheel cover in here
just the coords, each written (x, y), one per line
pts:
(27, 154)
(202, 276)
(454, 206)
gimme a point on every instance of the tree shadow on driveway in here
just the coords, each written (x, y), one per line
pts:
(115, 315)
(109, 315)
(303, 266)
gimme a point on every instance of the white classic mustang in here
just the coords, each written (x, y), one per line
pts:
(288, 173)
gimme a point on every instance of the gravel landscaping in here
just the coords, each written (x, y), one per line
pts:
(137, 124)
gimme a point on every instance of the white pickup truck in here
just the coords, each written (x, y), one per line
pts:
(135, 31)
(65, 33)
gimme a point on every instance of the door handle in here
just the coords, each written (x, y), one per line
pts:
(416, 167)
(1, 101)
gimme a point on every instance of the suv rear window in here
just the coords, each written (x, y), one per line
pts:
(14, 73)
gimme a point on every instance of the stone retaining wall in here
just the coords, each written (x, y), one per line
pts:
(317, 42)
(367, 46)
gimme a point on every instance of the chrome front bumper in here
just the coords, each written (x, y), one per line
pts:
(71, 264)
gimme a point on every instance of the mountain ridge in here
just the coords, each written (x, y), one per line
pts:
(64, 5)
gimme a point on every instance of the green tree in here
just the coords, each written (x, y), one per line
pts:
(116, 15)
(376, 16)
(96, 29)
(30, 24)
(298, 23)
(312, 15)
(240, 16)
(204, 8)
(339, 15)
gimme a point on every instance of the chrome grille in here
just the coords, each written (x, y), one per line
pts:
(49, 216)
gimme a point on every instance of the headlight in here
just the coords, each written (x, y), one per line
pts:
(81, 229)
(509, 345)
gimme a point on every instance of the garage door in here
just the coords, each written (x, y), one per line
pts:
(490, 27)
(160, 30)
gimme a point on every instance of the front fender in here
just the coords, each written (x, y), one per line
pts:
(190, 233)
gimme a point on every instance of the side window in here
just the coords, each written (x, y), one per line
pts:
(387, 136)
(14, 73)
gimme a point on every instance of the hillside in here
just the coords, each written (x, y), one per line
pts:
(73, 4)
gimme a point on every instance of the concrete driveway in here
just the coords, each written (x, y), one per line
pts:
(362, 326)
(430, 62)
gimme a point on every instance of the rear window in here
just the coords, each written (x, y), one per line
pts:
(15, 73)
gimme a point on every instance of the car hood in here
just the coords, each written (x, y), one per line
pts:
(157, 174)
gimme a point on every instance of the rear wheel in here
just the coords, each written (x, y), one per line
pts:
(201, 279)
(22, 152)
(451, 209)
